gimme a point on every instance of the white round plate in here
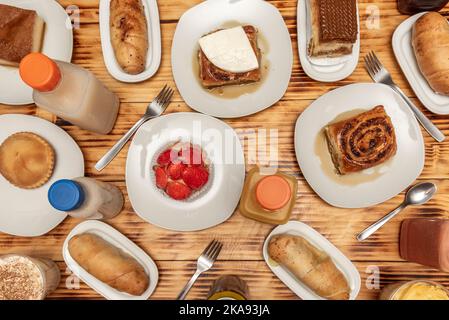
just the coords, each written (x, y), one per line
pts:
(217, 202)
(27, 213)
(297, 228)
(323, 69)
(57, 44)
(403, 50)
(211, 15)
(118, 240)
(154, 41)
(396, 174)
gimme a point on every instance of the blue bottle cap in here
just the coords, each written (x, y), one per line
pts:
(66, 195)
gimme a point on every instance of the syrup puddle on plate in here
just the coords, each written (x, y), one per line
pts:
(327, 166)
(235, 91)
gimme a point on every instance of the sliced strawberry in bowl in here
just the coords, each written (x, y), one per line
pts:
(191, 155)
(195, 177)
(175, 170)
(164, 158)
(178, 191)
(161, 177)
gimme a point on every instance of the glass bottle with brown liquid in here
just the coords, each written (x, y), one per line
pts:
(415, 6)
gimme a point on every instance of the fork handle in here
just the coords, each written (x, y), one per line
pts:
(188, 286)
(425, 122)
(112, 153)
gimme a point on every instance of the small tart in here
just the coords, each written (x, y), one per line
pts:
(26, 160)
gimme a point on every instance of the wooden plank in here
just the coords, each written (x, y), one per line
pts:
(263, 284)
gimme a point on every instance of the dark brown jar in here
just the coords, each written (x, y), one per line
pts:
(414, 6)
(229, 288)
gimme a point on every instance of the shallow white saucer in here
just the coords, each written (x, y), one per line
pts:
(57, 44)
(395, 175)
(211, 15)
(323, 69)
(217, 202)
(35, 216)
(403, 50)
(154, 40)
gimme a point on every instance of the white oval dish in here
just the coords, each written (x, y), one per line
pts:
(57, 44)
(213, 14)
(396, 175)
(219, 198)
(120, 241)
(297, 228)
(323, 69)
(35, 216)
(154, 41)
(403, 50)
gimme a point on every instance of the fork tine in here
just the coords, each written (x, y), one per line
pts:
(216, 251)
(209, 248)
(160, 93)
(164, 95)
(376, 62)
(368, 67)
(168, 97)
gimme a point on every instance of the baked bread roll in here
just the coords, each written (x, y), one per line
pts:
(129, 34)
(361, 142)
(108, 264)
(430, 41)
(310, 265)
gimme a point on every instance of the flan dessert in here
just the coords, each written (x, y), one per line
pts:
(26, 160)
(229, 57)
(334, 27)
(21, 32)
(361, 142)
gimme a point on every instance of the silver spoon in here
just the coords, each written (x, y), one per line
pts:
(418, 194)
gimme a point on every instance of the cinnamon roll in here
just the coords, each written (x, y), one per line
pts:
(361, 142)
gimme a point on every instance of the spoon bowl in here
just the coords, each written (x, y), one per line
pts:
(420, 193)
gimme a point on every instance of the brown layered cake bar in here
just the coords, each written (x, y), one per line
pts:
(334, 27)
(212, 76)
(21, 32)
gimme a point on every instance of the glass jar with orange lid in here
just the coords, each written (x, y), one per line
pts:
(268, 197)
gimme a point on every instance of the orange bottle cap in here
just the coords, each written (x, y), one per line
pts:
(273, 192)
(39, 72)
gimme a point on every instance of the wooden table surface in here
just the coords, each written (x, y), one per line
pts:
(175, 252)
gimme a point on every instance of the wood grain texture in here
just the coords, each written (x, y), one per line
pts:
(176, 252)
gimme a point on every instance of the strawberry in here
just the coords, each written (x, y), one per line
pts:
(164, 158)
(195, 177)
(191, 155)
(175, 170)
(161, 177)
(178, 191)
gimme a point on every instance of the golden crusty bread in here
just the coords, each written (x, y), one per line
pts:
(108, 264)
(310, 265)
(430, 40)
(129, 34)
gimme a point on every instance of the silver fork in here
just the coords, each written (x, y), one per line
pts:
(381, 75)
(154, 109)
(204, 263)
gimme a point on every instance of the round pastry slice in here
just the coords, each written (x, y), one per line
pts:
(26, 160)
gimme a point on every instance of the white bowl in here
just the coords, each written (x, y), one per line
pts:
(120, 241)
(395, 175)
(154, 40)
(57, 44)
(323, 69)
(218, 199)
(211, 15)
(297, 228)
(403, 50)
